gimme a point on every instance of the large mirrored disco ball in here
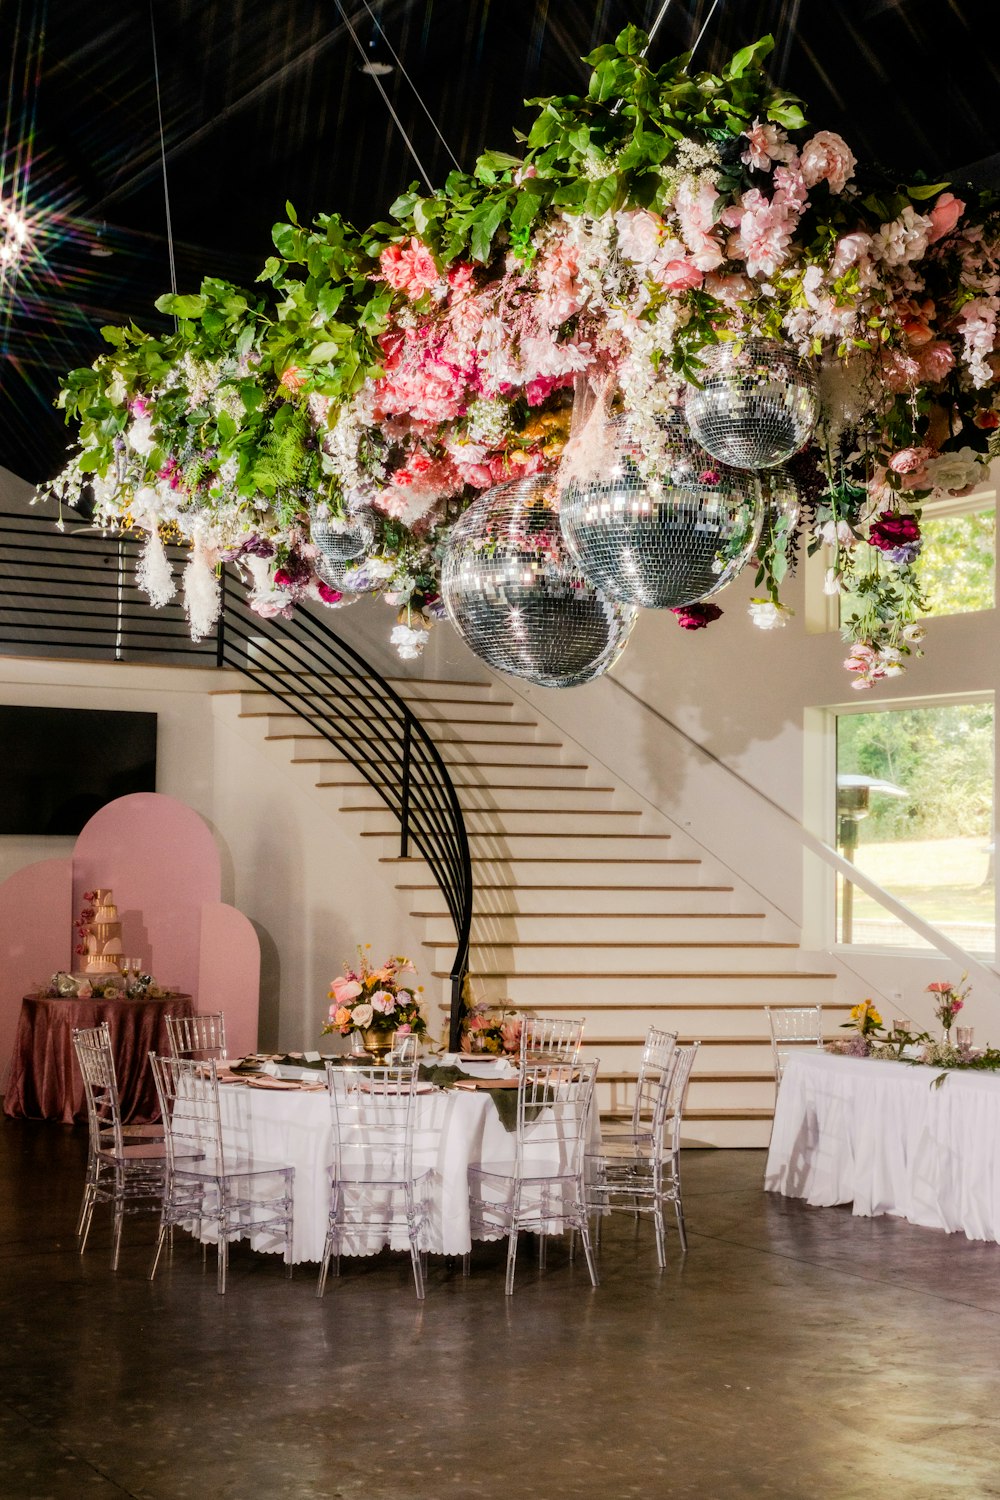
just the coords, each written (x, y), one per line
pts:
(669, 540)
(343, 541)
(515, 597)
(757, 404)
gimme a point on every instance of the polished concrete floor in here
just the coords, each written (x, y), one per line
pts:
(793, 1353)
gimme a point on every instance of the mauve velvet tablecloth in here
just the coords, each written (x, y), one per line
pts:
(45, 1082)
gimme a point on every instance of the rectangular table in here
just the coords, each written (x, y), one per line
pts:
(881, 1136)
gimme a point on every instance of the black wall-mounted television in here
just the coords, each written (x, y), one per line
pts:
(59, 765)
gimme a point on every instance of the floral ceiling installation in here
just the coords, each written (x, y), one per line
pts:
(405, 369)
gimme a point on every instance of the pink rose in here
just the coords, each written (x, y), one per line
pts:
(639, 235)
(405, 1029)
(694, 206)
(329, 595)
(828, 158)
(908, 460)
(680, 275)
(944, 216)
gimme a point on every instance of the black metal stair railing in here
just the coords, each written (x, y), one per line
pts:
(74, 595)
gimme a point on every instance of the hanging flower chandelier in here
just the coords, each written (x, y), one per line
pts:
(667, 238)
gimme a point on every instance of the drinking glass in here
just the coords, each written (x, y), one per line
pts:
(900, 1023)
(963, 1036)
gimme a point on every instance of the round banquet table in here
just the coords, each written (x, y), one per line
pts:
(45, 1082)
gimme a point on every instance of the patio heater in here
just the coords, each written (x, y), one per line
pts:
(853, 806)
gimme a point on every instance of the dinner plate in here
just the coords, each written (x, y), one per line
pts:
(255, 1081)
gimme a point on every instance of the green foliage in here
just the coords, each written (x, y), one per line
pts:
(942, 756)
(957, 564)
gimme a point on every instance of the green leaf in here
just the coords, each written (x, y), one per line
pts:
(499, 161)
(927, 190)
(112, 335)
(545, 129)
(788, 115)
(328, 349)
(601, 195)
(749, 57)
(186, 305)
(484, 226)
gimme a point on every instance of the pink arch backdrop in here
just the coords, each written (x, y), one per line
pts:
(160, 860)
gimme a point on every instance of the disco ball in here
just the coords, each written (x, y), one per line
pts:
(664, 541)
(782, 497)
(332, 575)
(515, 597)
(342, 541)
(757, 404)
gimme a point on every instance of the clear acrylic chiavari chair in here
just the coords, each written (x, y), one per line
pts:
(545, 1193)
(125, 1163)
(792, 1028)
(642, 1173)
(549, 1039)
(209, 1185)
(198, 1037)
(374, 1189)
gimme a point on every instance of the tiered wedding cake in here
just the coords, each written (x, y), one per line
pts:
(104, 939)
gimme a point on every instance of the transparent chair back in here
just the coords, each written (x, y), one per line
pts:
(657, 1057)
(553, 1118)
(546, 1039)
(188, 1091)
(100, 1087)
(198, 1037)
(669, 1114)
(372, 1112)
(792, 1028)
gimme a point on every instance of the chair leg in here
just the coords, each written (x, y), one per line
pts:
(661, 1255)
(588, 1251)
(466, 1263)
(163, 1235)
(511, 1259)
(86, 1217)
(675, 1185)
(116, 1238)
(223, 1261)
(543, 1241)
(86, 1206)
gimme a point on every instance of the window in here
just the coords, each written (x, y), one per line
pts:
(957, 562)
(915, 814)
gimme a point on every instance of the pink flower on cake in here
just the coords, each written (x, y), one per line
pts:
(409, 268)
(828, 158)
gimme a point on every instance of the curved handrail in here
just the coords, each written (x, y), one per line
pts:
(317, 676)
(75, 595)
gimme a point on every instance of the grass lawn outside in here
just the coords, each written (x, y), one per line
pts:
(948, 882)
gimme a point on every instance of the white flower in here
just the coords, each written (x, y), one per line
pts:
(408, 642)
(361, 1016)
(832, 583)
(956, 471)
(767, 615)
(835, 533)
(904, 240)
(914, 633)
(140, 435)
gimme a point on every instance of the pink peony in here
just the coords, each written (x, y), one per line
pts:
(764, 234)
(828, 158)
(409, 268)
(791, 185)
(680, 275)
(944, 216)
(694, 207)
(936, 361)
(383, 1002)
(765, 144)
(852, 250)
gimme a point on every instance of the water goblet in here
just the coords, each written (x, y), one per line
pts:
(963, 1036)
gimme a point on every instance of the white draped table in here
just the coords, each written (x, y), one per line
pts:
(881, 1136)
(453, 1130)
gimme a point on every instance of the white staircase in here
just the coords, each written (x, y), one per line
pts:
(587, 902)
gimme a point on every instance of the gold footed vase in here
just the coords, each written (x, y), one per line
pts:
(378, 1044)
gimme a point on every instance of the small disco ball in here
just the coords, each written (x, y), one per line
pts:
(782, 496)
(757, 404)
(514, 596)
(343, 541)
(332, 574)
(669, 540)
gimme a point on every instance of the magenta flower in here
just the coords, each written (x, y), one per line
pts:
(696, 616)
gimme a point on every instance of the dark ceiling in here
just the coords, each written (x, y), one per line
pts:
(265, 100)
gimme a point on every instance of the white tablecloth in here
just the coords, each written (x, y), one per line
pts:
(881, 1136)
(453, 1129)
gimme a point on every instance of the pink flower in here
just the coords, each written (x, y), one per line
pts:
(908, 460)
(936, 361)
(327, 594)
(944, 216)
(510, 1035)
(764, 234)
(409, 268)
(696, 616)
(639, 235)
(939, 987)
(765, 143)
(694, 206)
(344, 990)
(791, 186)
(680, 275)
(852, 250)
(828, 158)
(383, 1002)
(405, 1029)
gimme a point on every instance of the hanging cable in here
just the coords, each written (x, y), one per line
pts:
(708, 21)
(657, 23)
(399, 64)
(388, 102)
(163, 157)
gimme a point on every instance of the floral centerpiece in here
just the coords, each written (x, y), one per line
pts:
(375, 1003)
(949, 999)
(492, 1028)
(402, 370)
